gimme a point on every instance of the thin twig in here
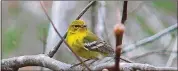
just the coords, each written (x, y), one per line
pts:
(172, 54)
(126, 59)
(79, 63)
(137, 8)
(153, 52)
(85, 9)
(54, 50)
(149, 39)
(78, 58)
(124, 13)
(161, 51)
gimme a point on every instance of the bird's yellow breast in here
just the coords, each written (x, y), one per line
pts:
(75, 41)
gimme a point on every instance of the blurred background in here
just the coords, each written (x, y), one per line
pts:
(26, 29)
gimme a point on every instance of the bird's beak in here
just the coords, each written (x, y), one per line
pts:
(83, 29)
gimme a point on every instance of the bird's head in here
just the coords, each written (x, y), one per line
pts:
(77, 26)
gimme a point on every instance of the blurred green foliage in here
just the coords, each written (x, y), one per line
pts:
(11, 38)
(141, 21)
(167, 5)
(42, 31)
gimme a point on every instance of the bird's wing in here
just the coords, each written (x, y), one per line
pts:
(93, 43)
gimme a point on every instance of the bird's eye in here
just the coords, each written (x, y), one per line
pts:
(76, 26)
(84, 26)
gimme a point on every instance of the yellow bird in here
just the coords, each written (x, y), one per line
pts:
(86, 44)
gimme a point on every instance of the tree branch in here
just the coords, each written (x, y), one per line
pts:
(134, 67)
(32, 60)
(11, 64)
(149, 39)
